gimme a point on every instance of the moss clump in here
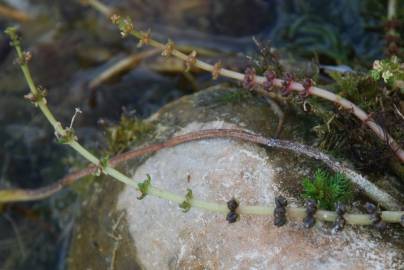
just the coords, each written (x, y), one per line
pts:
(128, 131)
(327, 189)
(345, 136)
(233, 97)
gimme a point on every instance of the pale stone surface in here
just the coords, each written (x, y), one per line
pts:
(217, 169)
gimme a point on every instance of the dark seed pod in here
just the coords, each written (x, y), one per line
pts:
(280, 211)
(311, 208)
(232, 204)
(232, 217)
(340, 222)
(402, 220)
(375, 216)
(309, 222)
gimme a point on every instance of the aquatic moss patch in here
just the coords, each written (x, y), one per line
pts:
(128, 131)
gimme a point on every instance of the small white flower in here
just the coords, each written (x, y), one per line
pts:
(387, 75)
(377, 65)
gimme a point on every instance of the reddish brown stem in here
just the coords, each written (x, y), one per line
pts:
(368, 188)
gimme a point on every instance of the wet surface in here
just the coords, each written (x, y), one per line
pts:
(73, 44)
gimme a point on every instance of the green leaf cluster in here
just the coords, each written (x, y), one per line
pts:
(327, 189)
(143, 187)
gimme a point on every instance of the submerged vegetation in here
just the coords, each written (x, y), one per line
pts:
(128, 131)
(358, 118)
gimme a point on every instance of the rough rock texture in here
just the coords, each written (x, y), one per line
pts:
(155, 234)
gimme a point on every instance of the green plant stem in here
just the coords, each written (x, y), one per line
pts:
(391, 9)
(388, 216)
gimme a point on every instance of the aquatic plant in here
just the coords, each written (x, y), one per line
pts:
(66, 135)
(260, 84)
(327, 190)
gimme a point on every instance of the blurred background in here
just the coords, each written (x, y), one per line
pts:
(76, 50)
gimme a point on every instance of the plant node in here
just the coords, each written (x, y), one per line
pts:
(216, 70)
(280, 211)
(269, 77)
(144, 39)
(125, 24)
(285, 90)
(187, 203)
(249, 79)
(232, 216)
(168, 48)
(143, 187)
(102, 166)
(340, 221)
(39, 96)
(25, 58)
(190, 61)
(307, 85)
(375, 216)
(68, 137)
(311, 208)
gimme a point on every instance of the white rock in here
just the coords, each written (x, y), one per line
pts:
(219, 169)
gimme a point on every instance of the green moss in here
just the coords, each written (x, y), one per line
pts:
(128, 131)
(233, 97)
(345, 136)
(327, 189)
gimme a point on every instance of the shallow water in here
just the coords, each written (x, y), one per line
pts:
(72, 44)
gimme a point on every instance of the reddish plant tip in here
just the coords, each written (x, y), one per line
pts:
(285, 90)
(268, 84)
(249, 79)
(391, 24)
(307, 85)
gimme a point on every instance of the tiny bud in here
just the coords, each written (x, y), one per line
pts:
(126, 27)
(26, 57)
(145, 39)
(115, 18)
